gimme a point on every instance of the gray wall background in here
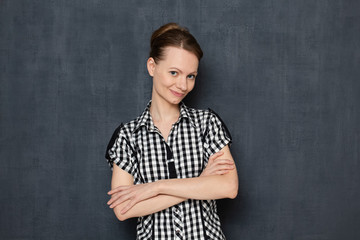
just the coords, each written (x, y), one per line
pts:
(284, 76)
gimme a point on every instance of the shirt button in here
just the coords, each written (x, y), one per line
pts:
(177, 230)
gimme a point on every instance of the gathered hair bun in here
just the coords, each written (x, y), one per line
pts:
(171, 34)
(167, 27)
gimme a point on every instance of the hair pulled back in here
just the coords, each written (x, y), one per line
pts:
(173, 35)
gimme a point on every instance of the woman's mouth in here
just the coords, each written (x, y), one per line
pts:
(177, 94)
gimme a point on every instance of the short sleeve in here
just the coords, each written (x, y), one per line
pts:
(216, 135)
(120, 152)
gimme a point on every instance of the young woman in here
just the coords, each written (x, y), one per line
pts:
(172, 162)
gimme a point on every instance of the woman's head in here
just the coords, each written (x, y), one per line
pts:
(173, 35)
(173, 63)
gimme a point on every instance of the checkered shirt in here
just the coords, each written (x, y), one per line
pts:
(139, 148)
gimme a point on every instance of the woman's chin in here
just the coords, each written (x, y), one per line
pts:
(176, 101)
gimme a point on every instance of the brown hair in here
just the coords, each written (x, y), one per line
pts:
(172, 34)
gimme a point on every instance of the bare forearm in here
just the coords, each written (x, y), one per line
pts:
(203, 188)
(148, 206)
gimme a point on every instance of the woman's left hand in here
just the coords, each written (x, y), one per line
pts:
(133, 193)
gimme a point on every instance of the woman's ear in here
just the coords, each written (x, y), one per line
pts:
(151, 66)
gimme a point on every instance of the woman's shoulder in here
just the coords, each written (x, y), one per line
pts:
(202, 118)
(201, 115)
(207, 117)
(127, 128)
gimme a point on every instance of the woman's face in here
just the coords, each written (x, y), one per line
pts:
(174, 76)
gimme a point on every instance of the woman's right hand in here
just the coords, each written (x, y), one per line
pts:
(217, 166)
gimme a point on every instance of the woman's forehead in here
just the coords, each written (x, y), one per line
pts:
(180, 58)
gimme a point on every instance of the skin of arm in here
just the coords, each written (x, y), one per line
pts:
(204, 187)
(148, 206)
(166, 193)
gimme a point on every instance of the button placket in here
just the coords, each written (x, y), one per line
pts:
(178, 222)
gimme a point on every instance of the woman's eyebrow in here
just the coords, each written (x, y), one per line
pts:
(194, 72)
(177, 69)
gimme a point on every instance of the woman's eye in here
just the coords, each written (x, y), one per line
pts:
(173, 73)
(191, 76)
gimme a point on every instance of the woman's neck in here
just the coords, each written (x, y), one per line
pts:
(163, 111)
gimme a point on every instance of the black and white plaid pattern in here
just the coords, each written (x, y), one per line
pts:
(140, 149)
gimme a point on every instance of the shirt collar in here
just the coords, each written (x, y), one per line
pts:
(185, 113)
(146, 120)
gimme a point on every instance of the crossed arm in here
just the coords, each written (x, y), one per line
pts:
(218, 180)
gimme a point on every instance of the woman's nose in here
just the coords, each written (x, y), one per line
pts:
(182, 84)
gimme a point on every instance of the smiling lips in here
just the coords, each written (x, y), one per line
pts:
(177, 94)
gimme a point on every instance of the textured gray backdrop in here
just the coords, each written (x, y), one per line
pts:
(284, 75)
